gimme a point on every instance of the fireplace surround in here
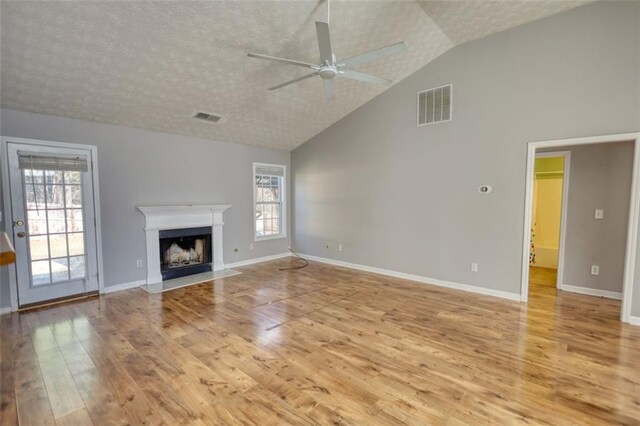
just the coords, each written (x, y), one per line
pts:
(177, 219)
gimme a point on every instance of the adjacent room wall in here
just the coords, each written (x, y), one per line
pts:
(600, 178)
(404, 198)
(140, 167)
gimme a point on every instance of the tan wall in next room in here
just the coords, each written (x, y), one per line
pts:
(547, 217)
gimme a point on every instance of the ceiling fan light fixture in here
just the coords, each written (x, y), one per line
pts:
(329, 68)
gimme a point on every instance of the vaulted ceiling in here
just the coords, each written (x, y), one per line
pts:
(152, 65)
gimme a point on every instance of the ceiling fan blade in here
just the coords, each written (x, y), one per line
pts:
(328, 89)
(360, 76)
(295, 80)
(324, 42)
(375, 54)
(284, 61)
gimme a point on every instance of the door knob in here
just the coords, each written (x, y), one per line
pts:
(20, 234)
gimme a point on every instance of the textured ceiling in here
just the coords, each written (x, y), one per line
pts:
(466, 20)
(154, 64)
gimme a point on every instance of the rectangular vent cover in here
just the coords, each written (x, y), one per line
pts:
(207, 117)
(434, 105)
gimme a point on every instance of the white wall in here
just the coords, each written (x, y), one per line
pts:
(140, 167)
(404, 198)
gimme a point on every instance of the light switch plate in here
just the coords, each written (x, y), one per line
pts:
(599, 214)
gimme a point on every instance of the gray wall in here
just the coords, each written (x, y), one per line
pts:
(140, 167)
(600, 177)
(405, 198)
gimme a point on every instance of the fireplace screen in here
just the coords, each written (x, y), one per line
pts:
(185, 252)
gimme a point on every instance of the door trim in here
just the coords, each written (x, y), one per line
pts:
(634, 211)
(8, 211)
(563, 209)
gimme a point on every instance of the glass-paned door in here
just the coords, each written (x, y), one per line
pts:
(54, 230)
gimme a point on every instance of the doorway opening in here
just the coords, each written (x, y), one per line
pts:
(581, 218)
(549, 209)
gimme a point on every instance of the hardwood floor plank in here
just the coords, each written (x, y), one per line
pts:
(63, 394)
(320, 345)
(34, 407)
(76, 418)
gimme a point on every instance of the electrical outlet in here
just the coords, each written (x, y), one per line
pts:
(251, 246)
(474, 267)
(595, 270)
(139, 263)
(339, 247)
(599, 214)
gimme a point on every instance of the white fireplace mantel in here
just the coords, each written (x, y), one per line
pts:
(158, 218)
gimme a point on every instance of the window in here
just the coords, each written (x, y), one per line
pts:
(434, 105)
(269, 201)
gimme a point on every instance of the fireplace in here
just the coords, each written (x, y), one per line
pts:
(159, 219)
(185, 252)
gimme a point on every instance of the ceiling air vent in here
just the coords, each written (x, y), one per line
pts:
(207, 117)
(434, 105)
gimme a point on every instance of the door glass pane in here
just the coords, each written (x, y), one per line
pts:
(74, 220)
(35, 196)
(53, 177)
(76, 244)
(73, 196)
(58, 245)
(56, 221)
(40, 272)
(76, 267)
(60, 269)
(37, 222)
(72, 177)
(55, 196)
(38, 247)
(34, 176)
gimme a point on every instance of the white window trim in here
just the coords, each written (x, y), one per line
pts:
(283, 201)
(450, 105)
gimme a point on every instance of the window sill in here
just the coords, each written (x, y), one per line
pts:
(270, 237)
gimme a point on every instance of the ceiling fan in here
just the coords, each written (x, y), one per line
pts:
(329, 67)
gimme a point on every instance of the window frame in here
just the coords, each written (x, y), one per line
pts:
(283, 204)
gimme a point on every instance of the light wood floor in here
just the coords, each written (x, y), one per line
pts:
(546, 277)
(321, 345)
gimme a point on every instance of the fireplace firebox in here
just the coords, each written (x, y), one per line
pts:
(185, 252)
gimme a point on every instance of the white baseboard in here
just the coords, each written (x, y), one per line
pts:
(591, 291)
(634, 320)
(124, 286)
(418, 278)
(5, 310)
(256, 260)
